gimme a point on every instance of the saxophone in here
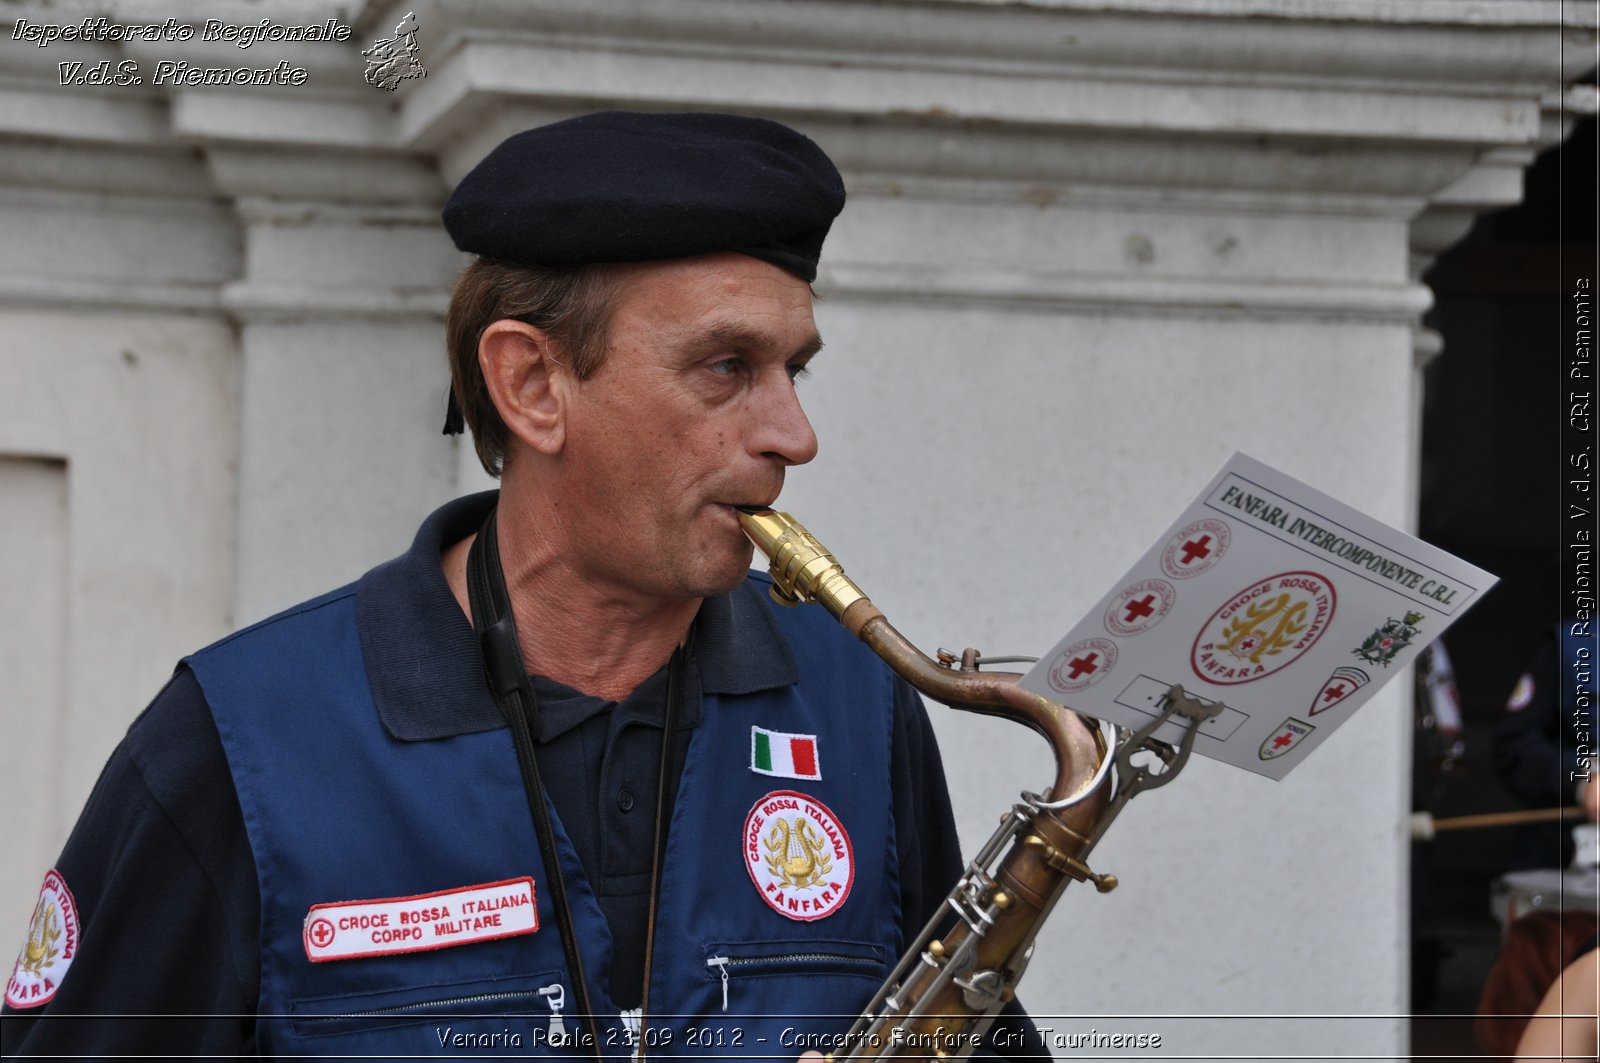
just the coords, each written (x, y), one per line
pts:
(944, 993)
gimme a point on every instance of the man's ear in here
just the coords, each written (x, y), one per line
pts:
(526, 382)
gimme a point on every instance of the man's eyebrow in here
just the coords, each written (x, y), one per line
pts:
(736, 336)
(811, 346)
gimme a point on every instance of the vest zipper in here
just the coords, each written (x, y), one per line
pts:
(791, 958)
(632, 1030)
(778, 963)
(425, 1006)
(721, 962)
(556, 997)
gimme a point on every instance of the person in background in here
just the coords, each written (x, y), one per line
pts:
(1536, 948)
(1544, 742)
(1566, 1026)
(1437, 749)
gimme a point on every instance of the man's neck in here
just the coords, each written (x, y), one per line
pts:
(572, 631)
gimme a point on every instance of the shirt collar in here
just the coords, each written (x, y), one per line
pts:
(423, 662)
(562, 708)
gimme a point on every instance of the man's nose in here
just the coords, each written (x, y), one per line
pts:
(784, 432)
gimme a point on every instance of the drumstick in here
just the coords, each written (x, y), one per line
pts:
(1424, 826)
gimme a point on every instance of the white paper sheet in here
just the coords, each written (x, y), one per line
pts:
(1287, 606)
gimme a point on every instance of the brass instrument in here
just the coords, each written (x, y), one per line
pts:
(946, 990)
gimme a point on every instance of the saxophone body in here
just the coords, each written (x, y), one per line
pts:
(957, 975)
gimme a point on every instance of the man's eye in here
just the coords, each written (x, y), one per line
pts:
(798, 372)
(726, 367)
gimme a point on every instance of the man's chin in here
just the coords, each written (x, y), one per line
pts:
(729, 572)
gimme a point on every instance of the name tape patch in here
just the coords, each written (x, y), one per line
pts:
(346, 930)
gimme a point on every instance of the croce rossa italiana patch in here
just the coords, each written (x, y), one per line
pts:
(798, 855)
(52, 943)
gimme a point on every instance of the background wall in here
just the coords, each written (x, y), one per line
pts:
(1092, 248)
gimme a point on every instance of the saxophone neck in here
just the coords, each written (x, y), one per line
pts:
(804, 571)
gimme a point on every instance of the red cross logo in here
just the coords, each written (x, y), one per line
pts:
(1083, 665)
(321, 933)
(1141, 608)
(1281, 741)
(1196, 548)
(1343, 683)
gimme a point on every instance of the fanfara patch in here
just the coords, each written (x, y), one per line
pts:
(1082, 665)
(52, 942)
(1196, 548)
(1140, 607)
(1285, 738)
(798, 855)
(1263, 629)
(349, 929)
(1341, 684)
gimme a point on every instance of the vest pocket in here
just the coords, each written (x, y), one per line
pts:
(752, 972)
(455, 1008)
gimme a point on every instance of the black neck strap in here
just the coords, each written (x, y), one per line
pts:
(507, 674)
(508, 679)
(664, 791)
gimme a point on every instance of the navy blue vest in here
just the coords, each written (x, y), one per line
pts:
(340, 810)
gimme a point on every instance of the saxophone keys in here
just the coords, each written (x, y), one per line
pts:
(1057, 860)
(983, 990)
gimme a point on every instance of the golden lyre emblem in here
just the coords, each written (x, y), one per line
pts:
(1265, 628)
(43, 934)
(797, 855)
(51, 944)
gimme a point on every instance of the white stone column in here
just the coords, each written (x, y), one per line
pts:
(341, 332)
(118, 381)
(339, 301)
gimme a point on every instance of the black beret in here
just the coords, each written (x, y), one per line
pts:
(621, 186)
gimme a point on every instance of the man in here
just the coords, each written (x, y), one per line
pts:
(1544, 742)
(561, 759)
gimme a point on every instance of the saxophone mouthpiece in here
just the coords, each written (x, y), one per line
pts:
(766, 528)
(802, 569)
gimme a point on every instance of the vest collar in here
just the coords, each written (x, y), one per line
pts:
(423, 662)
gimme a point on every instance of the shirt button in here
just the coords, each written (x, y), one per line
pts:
(625, 799)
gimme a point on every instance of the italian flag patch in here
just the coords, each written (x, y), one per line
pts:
(787, 756)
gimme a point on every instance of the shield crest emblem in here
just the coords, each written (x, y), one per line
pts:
(1340, 685)
(1285, 738)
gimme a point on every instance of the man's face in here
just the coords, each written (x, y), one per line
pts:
(693, 412)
